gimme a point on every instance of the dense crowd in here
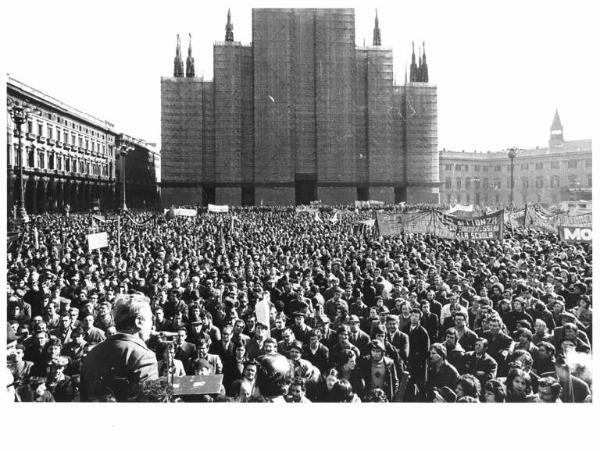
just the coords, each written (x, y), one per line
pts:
(358, 317)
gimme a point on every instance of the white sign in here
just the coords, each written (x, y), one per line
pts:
(218, 208)
(184, 212)
(262, 310)
(97, 240)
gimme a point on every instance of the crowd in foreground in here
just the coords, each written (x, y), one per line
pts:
(352, 317)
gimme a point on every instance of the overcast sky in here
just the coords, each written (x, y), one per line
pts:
(501, 67)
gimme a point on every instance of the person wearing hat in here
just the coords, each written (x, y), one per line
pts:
(440, 373)
(379, 371)
(358, 338)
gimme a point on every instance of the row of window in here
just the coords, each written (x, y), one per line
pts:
(66, 137)
(539, 182)
(538, 165)
(60, 162)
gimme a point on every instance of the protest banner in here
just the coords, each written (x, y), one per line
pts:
(218, 208)
(189, 212)
(575, 234)
(97, 240)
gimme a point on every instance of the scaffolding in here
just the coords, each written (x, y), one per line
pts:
(335, 68)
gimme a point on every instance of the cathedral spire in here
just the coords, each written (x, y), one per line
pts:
(178, 63)
(424, 69)
(190, 70)
(229, 28)
(413, 66)
(376, 31)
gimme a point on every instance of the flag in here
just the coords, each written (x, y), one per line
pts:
(334, 218)
(317, 217)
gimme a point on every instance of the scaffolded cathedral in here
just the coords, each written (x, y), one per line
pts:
(301, 114)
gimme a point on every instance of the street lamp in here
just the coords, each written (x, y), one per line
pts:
(123, 151)
(512, 153)
(19, 113)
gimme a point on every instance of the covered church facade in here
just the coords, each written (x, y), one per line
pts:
(301, 114)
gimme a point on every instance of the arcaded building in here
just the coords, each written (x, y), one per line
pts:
(301, 114)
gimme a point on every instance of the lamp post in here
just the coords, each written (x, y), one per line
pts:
(512, 153)
(124, 149)
(19, 113)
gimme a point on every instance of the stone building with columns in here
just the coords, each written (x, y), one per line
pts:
(70, 157)
(558, 172)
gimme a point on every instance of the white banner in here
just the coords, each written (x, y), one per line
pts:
(262, 311)
(97, 240)
(218, 208)
(184, 212)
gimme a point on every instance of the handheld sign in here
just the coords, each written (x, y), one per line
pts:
(97, 240)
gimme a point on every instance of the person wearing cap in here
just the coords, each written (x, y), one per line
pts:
(440, 373)
(357, 337)
(379, 371)
(328, 336)
(118, 366)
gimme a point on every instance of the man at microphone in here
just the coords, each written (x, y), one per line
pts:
(116, 368)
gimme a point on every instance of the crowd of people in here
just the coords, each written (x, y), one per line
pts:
(352, 316)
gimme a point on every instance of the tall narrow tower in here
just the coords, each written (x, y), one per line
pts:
(376, 32)
(414, 70)
(556, 132)
(424, 69)
(178, 63)
(190, 70)
(229, 28)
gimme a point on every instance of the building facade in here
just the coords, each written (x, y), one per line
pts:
(67, 155)
(141, 178)
(562, 171)
(301, 114)
(70, 158)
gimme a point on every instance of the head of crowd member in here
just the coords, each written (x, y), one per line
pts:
(238, 327)
(226, 334)
(270, 346)
(314, 338)
(523, 358)
(468, 385)
(295, 350)
(181, 336)
(250, 371)
(415, 317)
(273, 375)
(280, 321)
(481, 346)
(133, 315)
(494, 391)
(524, 336)
(288, 336)
(347, 360)
(377, 350)
(549, 389)
(354, 324)
(297, 390)
(450, 338)
(437, 354)
(203, 345)
(299, 319)
(331, 377)
(540, 327)
(343, 334)
(546, 350)
(376, 395)
(392, 323)
(518, 383)
(239, 350)
(495, 326)
(201, 367)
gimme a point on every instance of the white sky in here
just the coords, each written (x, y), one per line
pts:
(501, 67)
